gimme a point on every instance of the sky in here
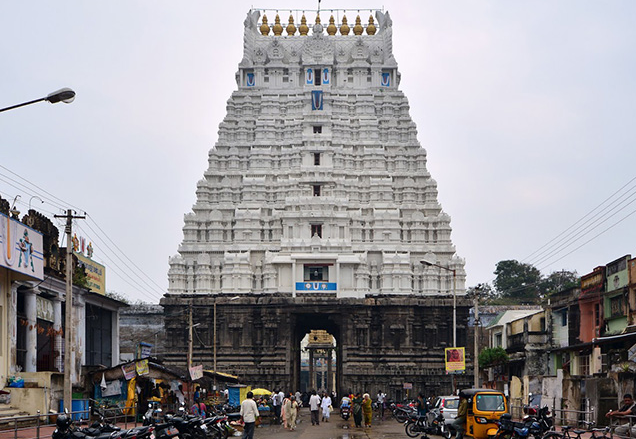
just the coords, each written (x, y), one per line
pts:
(526, 110)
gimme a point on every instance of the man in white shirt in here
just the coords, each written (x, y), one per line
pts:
(249, 413)
(314, 405)
(381, 403)
(277, 402)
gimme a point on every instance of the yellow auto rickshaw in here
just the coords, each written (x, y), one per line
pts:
(485, 407)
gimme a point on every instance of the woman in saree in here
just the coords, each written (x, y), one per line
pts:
(367, 410)
(357, 410)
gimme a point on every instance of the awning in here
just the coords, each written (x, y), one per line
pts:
(614, 338)
(225, 377)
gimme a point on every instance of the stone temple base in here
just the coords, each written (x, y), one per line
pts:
(382, 343)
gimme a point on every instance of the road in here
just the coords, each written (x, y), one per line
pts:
(337, 428)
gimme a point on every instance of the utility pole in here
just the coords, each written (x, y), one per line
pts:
(189, 337)
(476, 333)
(68, 330)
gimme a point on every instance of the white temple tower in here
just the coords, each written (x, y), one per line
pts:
(317, 183)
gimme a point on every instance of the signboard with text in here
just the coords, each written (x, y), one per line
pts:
(95, 274)
(316, 286)
(455, 359)
(21, 248)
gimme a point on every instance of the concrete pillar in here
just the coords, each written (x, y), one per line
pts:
(329, 371)
(57, 327)
(13, 327)
(312, 375)
(30, 309)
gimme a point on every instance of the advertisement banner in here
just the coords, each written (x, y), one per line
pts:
(196, 372)
(129, 371)
(142, 367)
(455, 360)
(95, 274)
(21, 248)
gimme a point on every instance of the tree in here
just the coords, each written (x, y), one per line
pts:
(559, 281)
(518, 282)
(492, 357)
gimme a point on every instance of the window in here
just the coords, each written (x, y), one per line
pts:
(316, 190)
(99, 347)
(584, 364)
(316, 273)
(316, 158)
(597, 315)
(316, 229)
(318, 77)
(616, 305)
(489, 403)
(564, 317)
(498, 339)
(317, 129)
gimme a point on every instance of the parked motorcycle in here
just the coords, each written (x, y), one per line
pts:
(417, 424)
(531, 426)
(65, 430)
(402, 412)
(345, 412)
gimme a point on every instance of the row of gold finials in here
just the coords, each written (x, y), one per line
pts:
(304, 29)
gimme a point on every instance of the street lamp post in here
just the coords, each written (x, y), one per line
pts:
(452, 270)
(65, 95)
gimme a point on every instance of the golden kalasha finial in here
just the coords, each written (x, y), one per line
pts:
(303, 29)
(357, 29)
(371, 27)
(264, 26)
(332, 29)
(291, 29)
(278, 29)
(344, 29)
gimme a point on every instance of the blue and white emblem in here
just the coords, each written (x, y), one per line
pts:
(316, 100)
(250, 80)
(310, 76)
(325, 76)
(386, 79)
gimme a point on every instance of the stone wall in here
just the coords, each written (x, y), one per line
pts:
(381, 342)
(141, 323)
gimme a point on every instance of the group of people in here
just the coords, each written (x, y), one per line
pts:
(361, 408)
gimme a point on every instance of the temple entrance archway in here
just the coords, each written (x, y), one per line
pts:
(316, 344)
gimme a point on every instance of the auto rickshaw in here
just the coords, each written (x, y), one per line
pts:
(485, 407)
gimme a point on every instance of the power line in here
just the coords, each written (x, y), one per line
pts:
(551, 243)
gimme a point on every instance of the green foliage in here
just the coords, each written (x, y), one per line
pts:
(492, 357)
(79, 277)
(518, 281)
(560, 281)
(118, 296)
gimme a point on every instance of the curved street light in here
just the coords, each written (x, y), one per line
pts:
(65, 95)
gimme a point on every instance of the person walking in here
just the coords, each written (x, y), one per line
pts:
(459, 424)
(277, 402)
(314, 404)
(326, 407)
(283, 411)
(357, 410)
(381, 403)
(249, 415)
(367, 410)
(291, 412)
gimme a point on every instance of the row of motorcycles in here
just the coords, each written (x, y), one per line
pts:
(169, 426)
(535, 424)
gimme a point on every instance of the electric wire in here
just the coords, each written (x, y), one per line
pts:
(556, 244)
(50, 199)
(128, 279)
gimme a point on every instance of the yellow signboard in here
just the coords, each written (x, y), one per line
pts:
(95, 274)
(455, 360)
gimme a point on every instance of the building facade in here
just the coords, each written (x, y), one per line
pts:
(317, 192)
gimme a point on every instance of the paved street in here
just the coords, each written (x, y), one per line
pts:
(336, 428)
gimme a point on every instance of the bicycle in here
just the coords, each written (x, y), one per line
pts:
(597, 433)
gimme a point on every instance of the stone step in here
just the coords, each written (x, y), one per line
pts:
(8, 413)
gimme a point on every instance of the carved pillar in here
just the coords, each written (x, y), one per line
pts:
(57, 327)
(31, 332)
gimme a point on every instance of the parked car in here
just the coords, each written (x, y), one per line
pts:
(447, 406)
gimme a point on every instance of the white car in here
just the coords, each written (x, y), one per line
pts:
(447, 406)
